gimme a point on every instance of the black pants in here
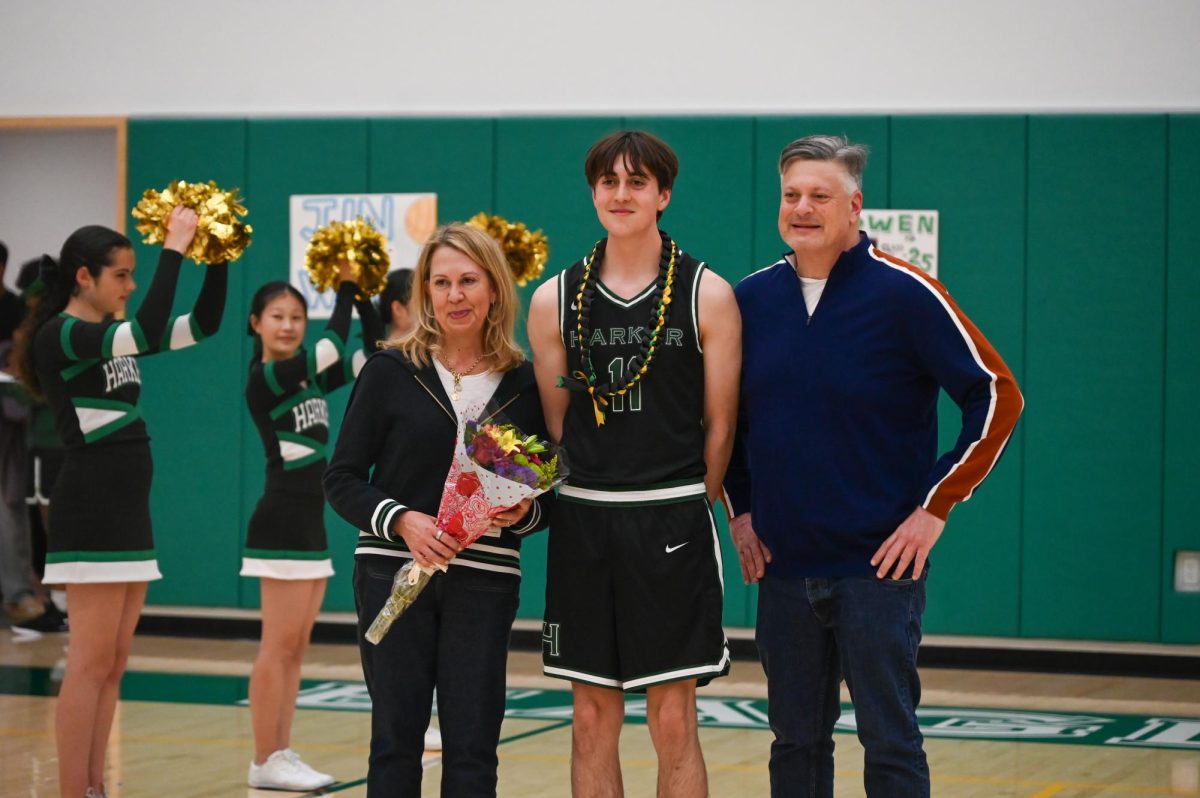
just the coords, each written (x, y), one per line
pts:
(454, 640)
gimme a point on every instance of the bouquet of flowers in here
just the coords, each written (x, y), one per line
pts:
(495, 467)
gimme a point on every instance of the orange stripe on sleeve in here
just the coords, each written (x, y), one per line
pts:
(1005, 408)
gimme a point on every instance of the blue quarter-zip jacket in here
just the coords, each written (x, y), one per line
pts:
(837, 432)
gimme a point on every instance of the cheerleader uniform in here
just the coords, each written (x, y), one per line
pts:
(100, 506)
(286, 539)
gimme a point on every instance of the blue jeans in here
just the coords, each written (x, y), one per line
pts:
(453, 639)
(813, 632)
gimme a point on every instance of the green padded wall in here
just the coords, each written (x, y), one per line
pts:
(972, 171)
(1074, 533)
(1094, 377)
(192, 398)
(453, 157)
(1181, 507)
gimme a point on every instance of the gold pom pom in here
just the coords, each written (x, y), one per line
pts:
(357, 242)
(526, 251)
(221, 237)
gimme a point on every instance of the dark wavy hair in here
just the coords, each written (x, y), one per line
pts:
(397, 289)
(642, 153)
(90, 246)
(258, 303)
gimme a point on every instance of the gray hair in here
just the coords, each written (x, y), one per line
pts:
(853, 157)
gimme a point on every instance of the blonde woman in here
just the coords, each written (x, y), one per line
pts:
(385, 477)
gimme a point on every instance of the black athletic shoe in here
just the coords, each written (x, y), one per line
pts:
(51, 620)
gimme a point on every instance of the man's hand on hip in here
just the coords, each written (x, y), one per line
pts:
(910, 543)
(752, 552)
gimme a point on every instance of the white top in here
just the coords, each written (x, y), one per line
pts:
(812, 288)
(475, 392)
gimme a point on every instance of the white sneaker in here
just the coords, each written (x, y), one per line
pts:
(326, 779)
(284, 770)
(433, 739)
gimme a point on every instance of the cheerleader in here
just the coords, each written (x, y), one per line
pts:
(77, 354)
(393, 303)
(285, 545)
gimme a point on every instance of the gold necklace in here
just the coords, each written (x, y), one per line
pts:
(639, 364)
(458, 375)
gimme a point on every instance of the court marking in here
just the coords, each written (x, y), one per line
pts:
(430, 762)
(1037, 787)
(1005, 725)
(1053, 789)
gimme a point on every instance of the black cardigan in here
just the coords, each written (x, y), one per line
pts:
(395, 448)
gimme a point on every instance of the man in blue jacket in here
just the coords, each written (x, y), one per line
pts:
(836, 487)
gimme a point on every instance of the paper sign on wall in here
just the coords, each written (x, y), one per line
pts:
(406, 220)
(909, 235)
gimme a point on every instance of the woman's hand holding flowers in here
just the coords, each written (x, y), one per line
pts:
(508, 516)
(430, 546)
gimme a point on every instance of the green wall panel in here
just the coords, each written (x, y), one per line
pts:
(972, 171)
(452, 157)
(1074, 533)
(539, 181)
(772, 134)
(297, 156)
(1094, 378)
(191, 398)
(1181, 507)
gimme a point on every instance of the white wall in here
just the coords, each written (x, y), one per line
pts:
(50, 185)
(290, 57)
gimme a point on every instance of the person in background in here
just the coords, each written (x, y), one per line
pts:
(21, 604)
(393, 303)
(285, 545)
(45, 455)
(12, 306)
(16, 588)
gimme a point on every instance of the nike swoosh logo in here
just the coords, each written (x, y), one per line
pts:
(676, 548)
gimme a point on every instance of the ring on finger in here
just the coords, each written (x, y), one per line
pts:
(439, 534)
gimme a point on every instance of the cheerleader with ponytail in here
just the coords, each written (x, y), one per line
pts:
(285, 545)
(77, 353)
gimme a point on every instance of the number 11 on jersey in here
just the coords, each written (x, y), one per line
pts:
(616, 374)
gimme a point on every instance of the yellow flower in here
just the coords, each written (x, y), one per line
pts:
(508, 440)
